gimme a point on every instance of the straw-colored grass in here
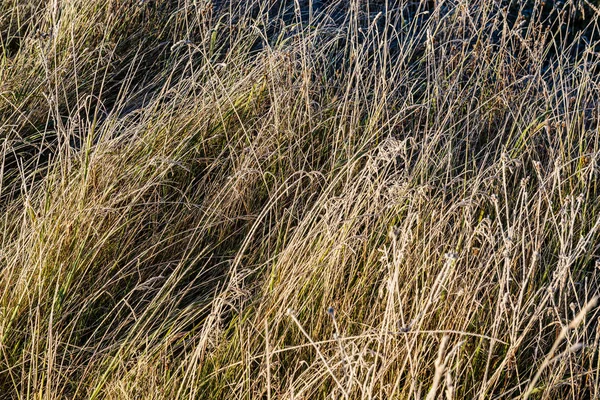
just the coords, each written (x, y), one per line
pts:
(299, 199)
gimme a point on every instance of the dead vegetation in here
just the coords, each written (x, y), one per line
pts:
(298, 199)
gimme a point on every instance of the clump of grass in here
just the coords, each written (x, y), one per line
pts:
(298, 199)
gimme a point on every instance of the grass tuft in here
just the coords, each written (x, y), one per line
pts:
(299, 199)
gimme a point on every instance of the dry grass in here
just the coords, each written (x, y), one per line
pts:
(362, 199)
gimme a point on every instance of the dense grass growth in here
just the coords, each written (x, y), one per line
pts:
(299, 199)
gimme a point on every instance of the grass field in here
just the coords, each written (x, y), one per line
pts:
(299, 199)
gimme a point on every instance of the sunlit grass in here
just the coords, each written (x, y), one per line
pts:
(270, 199)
